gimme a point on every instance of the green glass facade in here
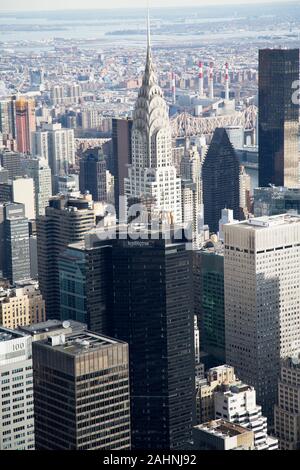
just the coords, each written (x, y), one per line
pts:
(84, 280)
(209, 303)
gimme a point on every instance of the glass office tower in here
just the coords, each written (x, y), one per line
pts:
(278, 117)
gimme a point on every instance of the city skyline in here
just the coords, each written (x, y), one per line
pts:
(149, 271)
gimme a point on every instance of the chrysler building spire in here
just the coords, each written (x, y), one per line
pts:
(151, 111)
(152, 173)
(149, 66)
(148, 31)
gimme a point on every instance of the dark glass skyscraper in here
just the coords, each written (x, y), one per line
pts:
(278, 117)
(93, 174)
(11, 161)
(209, 304)
(16, 243)
(153, 312)
(121, 154)
(220, 174)
(86, 284)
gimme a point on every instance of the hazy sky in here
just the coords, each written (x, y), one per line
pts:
(72, 4)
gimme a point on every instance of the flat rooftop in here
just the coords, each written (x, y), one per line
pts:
(79, 343)
(232, 390)
(259, 223)
(292, 362)
(222, 428)
(51, 325)
(8, 335)
(134, 234)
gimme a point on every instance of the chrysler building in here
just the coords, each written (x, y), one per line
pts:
(152, 173)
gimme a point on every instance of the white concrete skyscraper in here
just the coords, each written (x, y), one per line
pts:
(262, 300)
(16, 391)
(61, 148)
(39, 144)
(237, 404)
(38, 169)
(152, 173)
(192, 200)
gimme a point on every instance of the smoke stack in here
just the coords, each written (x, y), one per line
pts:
(211, 81)
(227, 82)
(173, 88)
(201, 85)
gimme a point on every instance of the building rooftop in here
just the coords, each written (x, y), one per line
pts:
(292, 362)
(135, 234)
(8, 335)
(258, 223)
(52, 325)
(222, 428)
(24, 288)
(79, 343)
(231, 390)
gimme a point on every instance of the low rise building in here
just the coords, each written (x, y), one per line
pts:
(206, 388)
(21, 305)
(237, 404)
(222, 435)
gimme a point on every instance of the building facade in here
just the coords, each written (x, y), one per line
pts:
(19, 190)
(25, 123)
(85, 282)
(39, 171)
(66, 220)
(262, 298)
(93, 174)
(237, 404)
(21, 305)
(16, 243)
(39, 145)
(152, 173)
(205, 401)
(153, 312)
(191, 194)
(81, 393)
(278, 117)
(219, 434)
(16, 391)
(276, 200)
(220, 174)
(11, 161)
(209, 301)
(287, 414)
(61, 148)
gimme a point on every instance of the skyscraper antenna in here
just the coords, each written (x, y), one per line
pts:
(148, 26)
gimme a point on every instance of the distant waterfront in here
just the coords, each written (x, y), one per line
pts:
(266, 23)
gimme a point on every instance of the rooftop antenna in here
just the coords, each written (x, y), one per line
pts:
(148, 26)
(149, 55)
